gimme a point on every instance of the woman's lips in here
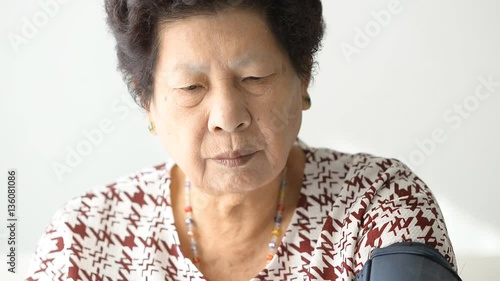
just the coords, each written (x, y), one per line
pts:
(238, 158)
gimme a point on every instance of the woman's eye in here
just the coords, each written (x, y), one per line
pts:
(253, 78)
(190, 88)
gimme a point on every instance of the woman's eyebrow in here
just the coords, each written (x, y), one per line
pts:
(189, 67)
(251, 58)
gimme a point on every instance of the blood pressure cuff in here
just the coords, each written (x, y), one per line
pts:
(407, 261)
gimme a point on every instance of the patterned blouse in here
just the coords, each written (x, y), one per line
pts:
(349, 204)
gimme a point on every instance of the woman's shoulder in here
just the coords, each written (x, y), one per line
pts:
(128, 193)
(372, 202)
(363, 178)
(359, 168)
(126, 213)
(130, 186)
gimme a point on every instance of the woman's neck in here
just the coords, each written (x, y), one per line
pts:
(238, 216)
(237, 225)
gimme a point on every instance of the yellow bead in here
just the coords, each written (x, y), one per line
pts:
(276, 232)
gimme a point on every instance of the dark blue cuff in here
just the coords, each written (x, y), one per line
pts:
(407, 261)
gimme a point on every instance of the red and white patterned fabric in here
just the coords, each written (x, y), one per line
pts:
(349, 204)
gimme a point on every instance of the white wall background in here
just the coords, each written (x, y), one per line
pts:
(384, 99)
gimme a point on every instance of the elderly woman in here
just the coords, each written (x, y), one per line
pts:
(224, 84)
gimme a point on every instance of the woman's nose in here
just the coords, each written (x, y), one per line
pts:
(228, 111)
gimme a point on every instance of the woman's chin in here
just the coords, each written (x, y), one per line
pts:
(242, 181)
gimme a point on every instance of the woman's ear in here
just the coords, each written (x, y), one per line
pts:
(306, 99)
(151, 125)
(150, 109)
(306, 102)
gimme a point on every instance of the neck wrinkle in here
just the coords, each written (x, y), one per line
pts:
(241, 215)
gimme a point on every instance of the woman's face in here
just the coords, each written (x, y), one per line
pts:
(223, 84)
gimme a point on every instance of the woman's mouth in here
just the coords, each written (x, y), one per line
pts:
(234, 159)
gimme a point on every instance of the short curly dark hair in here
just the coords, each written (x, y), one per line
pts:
(297, 24)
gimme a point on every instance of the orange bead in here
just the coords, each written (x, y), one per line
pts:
(188, 209)
(196, 260)
(280, 207)
(269, 257)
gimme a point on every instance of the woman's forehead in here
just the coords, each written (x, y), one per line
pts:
(239, 18)
(240, 42)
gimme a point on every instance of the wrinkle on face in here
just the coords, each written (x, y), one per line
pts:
(218, 52)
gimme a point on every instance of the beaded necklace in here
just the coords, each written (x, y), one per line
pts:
(277, 220)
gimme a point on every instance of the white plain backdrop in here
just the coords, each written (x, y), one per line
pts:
(412, 86)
